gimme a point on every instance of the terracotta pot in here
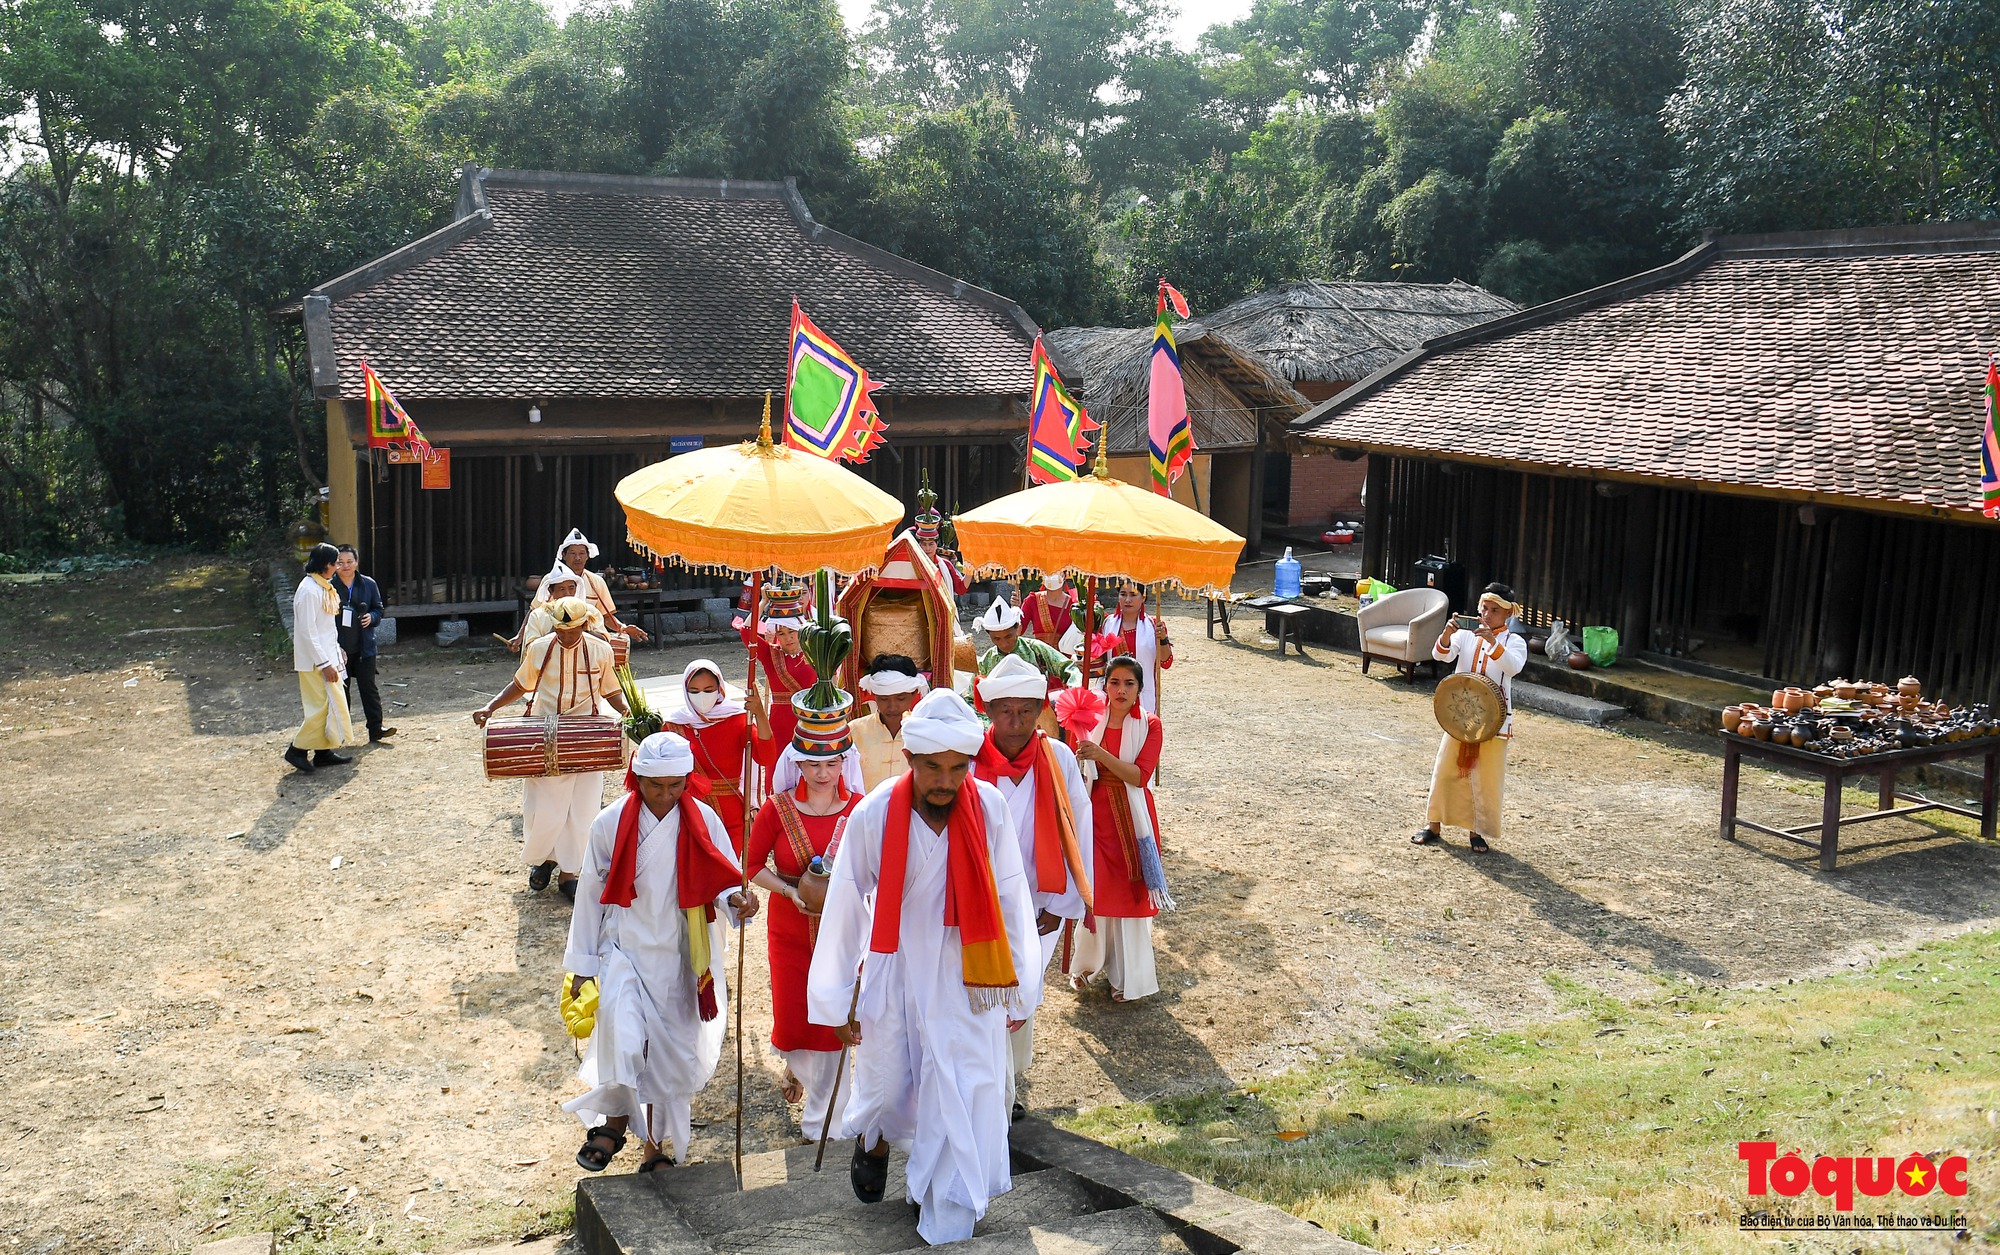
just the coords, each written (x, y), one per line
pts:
(1732, 718)
(1777, 699)
(1762, 729)
(1579, 661)
(1910, 686)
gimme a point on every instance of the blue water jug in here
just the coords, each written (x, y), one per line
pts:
(1287, 580)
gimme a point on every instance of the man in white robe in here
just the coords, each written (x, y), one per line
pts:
(651, 1052)
(1055, 833)
(931, 1063)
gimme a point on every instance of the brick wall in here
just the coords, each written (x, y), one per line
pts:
(1324, 488)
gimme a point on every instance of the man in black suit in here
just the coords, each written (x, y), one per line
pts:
(360, 611)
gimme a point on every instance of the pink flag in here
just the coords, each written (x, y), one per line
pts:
(1169, 438)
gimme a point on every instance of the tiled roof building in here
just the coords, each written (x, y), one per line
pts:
(567, 328)
(1762, 456)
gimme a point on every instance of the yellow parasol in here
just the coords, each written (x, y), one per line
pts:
(757, 505)
(1100, 527)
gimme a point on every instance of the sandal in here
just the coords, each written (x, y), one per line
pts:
(593, 1157)
(654, 1161)
(538, 879)
(793, 1090)
(1479, 845)
(568, 888)
(1425, 837)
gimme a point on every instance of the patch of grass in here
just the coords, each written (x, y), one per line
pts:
(234, 1199)
(1614, 1129)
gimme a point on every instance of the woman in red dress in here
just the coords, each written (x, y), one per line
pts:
(1143, 637)
(1045, 614)
(1129, 881)
(775, 645)
(729, 741)
(816, 786)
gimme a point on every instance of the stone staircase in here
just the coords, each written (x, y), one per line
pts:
(1071, 1196)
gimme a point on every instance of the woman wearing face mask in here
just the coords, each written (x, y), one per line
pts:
(729, 742)
(815, 786)
(1129, 882)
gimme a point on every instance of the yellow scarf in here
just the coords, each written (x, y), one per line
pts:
(331, 603)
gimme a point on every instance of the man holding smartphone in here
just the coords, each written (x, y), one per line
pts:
(361, 610)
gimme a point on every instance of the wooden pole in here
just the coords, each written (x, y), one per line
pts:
(743, 859)
(826, 1121)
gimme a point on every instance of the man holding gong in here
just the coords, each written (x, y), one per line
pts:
(1475, 705)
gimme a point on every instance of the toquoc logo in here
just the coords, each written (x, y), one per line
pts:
(1838, 1177)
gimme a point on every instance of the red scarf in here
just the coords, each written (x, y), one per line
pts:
(701, 874)
(971, 897)
(1058, 858)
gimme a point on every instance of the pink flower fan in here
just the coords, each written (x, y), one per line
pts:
(1104, 645)
(1079, 711)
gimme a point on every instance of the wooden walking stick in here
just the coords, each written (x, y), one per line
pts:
(833, 1096)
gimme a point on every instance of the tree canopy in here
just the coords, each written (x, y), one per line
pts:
(176, 170)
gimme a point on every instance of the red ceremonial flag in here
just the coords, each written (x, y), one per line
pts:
(1169, 438)
(1989, 448)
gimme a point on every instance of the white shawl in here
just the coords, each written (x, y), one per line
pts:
(1146, 648)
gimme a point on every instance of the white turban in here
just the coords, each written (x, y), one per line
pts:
(1052, 582)
(1000, 617)
(893, 683)
(1014, 677)
(940, 722)
(575, 537)
(557, 574)
(663, 754)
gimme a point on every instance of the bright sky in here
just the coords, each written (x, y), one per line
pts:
(1193, 17)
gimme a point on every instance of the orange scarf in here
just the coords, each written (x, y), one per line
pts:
(971, 897)
(1058, 858)
(701, 874)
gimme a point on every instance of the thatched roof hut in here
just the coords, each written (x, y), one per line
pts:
(1110, 369)
(1318, 333)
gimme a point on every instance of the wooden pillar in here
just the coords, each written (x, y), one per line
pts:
(1375, 516)
(1635, 603)
(343, 504)
(1844, 555)
(1253, 527)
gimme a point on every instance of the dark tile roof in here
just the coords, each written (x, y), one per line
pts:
(1833, 365)
(557, 285)
(1322, 331)
(1228, 389)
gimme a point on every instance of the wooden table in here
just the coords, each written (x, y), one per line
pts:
(1833, 771)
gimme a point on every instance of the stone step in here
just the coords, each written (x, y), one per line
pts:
(1127, 1231)
(1043, 1197)
(777, 1185)
(627, 1215)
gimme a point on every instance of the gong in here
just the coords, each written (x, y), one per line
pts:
(1470, 707)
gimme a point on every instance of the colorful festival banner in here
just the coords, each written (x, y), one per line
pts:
(1169, 436)
(1056, 424)
(388, 423)
(1989, 448)
(829, 410)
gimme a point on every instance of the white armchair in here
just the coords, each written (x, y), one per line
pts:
(1403, 628)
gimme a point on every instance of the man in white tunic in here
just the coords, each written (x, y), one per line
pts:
(572, 673)
(951, 968)
(657, 888)
(1466, 780)
(1050, 806)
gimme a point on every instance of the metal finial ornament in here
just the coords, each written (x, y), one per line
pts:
(1103, 468)
(764, 432)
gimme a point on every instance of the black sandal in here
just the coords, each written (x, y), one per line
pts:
(593, 1158)
(868, 1174)
(538, 879)
(1425, 837)
(568, 888)
(654, 1161)
(1479, 845)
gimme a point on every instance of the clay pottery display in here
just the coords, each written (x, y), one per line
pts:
(1845, 691)
(1842, 735)
(1909, 686)
(1579, 661)
(1777, 699)
(1762, 729)
(1732, 718)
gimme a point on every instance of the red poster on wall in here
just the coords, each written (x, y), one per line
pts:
(437, 468)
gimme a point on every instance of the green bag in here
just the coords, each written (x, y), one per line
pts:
(1601, 644)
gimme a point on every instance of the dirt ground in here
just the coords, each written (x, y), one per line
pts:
(239, 998)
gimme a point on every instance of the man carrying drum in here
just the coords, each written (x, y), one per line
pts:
(567, 672)
(1466, 781)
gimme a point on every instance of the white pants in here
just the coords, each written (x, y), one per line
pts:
(816, 1070)
(1021, 1042)
(556, 814)
(1121, 950)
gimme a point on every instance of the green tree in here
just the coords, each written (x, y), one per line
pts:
(967, 193)
(1216, 242)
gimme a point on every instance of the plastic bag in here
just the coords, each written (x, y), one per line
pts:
(1601, 643)
(1557, 647)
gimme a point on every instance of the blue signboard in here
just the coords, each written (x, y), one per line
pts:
(677, 445)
